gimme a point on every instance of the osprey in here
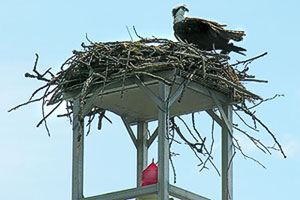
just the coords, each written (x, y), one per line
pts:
(206, 35)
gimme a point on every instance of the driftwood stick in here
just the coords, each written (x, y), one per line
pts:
(254, 80)
(264, 126)
(154, 77)
(239, 88)
(46, 116)
(249, 60)
(26, 103)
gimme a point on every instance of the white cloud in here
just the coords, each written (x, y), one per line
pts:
(291, 146)
(245, 143)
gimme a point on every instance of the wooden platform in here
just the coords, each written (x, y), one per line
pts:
(128, 100)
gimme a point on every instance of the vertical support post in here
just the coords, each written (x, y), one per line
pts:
(142, 150)
(227, 153)
(163, 143)
(77, 161)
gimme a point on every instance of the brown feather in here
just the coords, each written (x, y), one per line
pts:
(207, 35)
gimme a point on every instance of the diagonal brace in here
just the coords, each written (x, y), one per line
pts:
(130, 131)
(157, 100)
(226, 122)
(152, 137)
(89, 104)
(215, 117)
(179, 91)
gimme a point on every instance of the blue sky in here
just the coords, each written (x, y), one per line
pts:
(34, 166)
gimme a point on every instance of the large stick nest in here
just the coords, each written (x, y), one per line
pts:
(103, 62)
(97, 64)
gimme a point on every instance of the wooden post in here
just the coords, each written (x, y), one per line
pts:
(78, 148)
(142, 150)
(227, 152)
(163, 143)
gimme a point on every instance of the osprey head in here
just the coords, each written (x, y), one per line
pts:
(182, 8)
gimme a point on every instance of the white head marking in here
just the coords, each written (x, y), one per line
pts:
(179, 13)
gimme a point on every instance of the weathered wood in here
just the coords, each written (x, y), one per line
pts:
(152, 137)
(130, 132)
(163, 143)
(78, 148)
(126, 194)
(184, 194)
(227, 153)
(149, 92)
(142, 150)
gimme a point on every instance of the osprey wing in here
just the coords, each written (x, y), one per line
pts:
(207, 35)
(218, 29)
(208, 21)
(192, 30)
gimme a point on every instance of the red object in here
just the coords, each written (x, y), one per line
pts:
(149, 175)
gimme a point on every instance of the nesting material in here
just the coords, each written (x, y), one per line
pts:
(100, 63)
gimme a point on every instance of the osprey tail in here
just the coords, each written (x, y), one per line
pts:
(230, 47)
(233, 35)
